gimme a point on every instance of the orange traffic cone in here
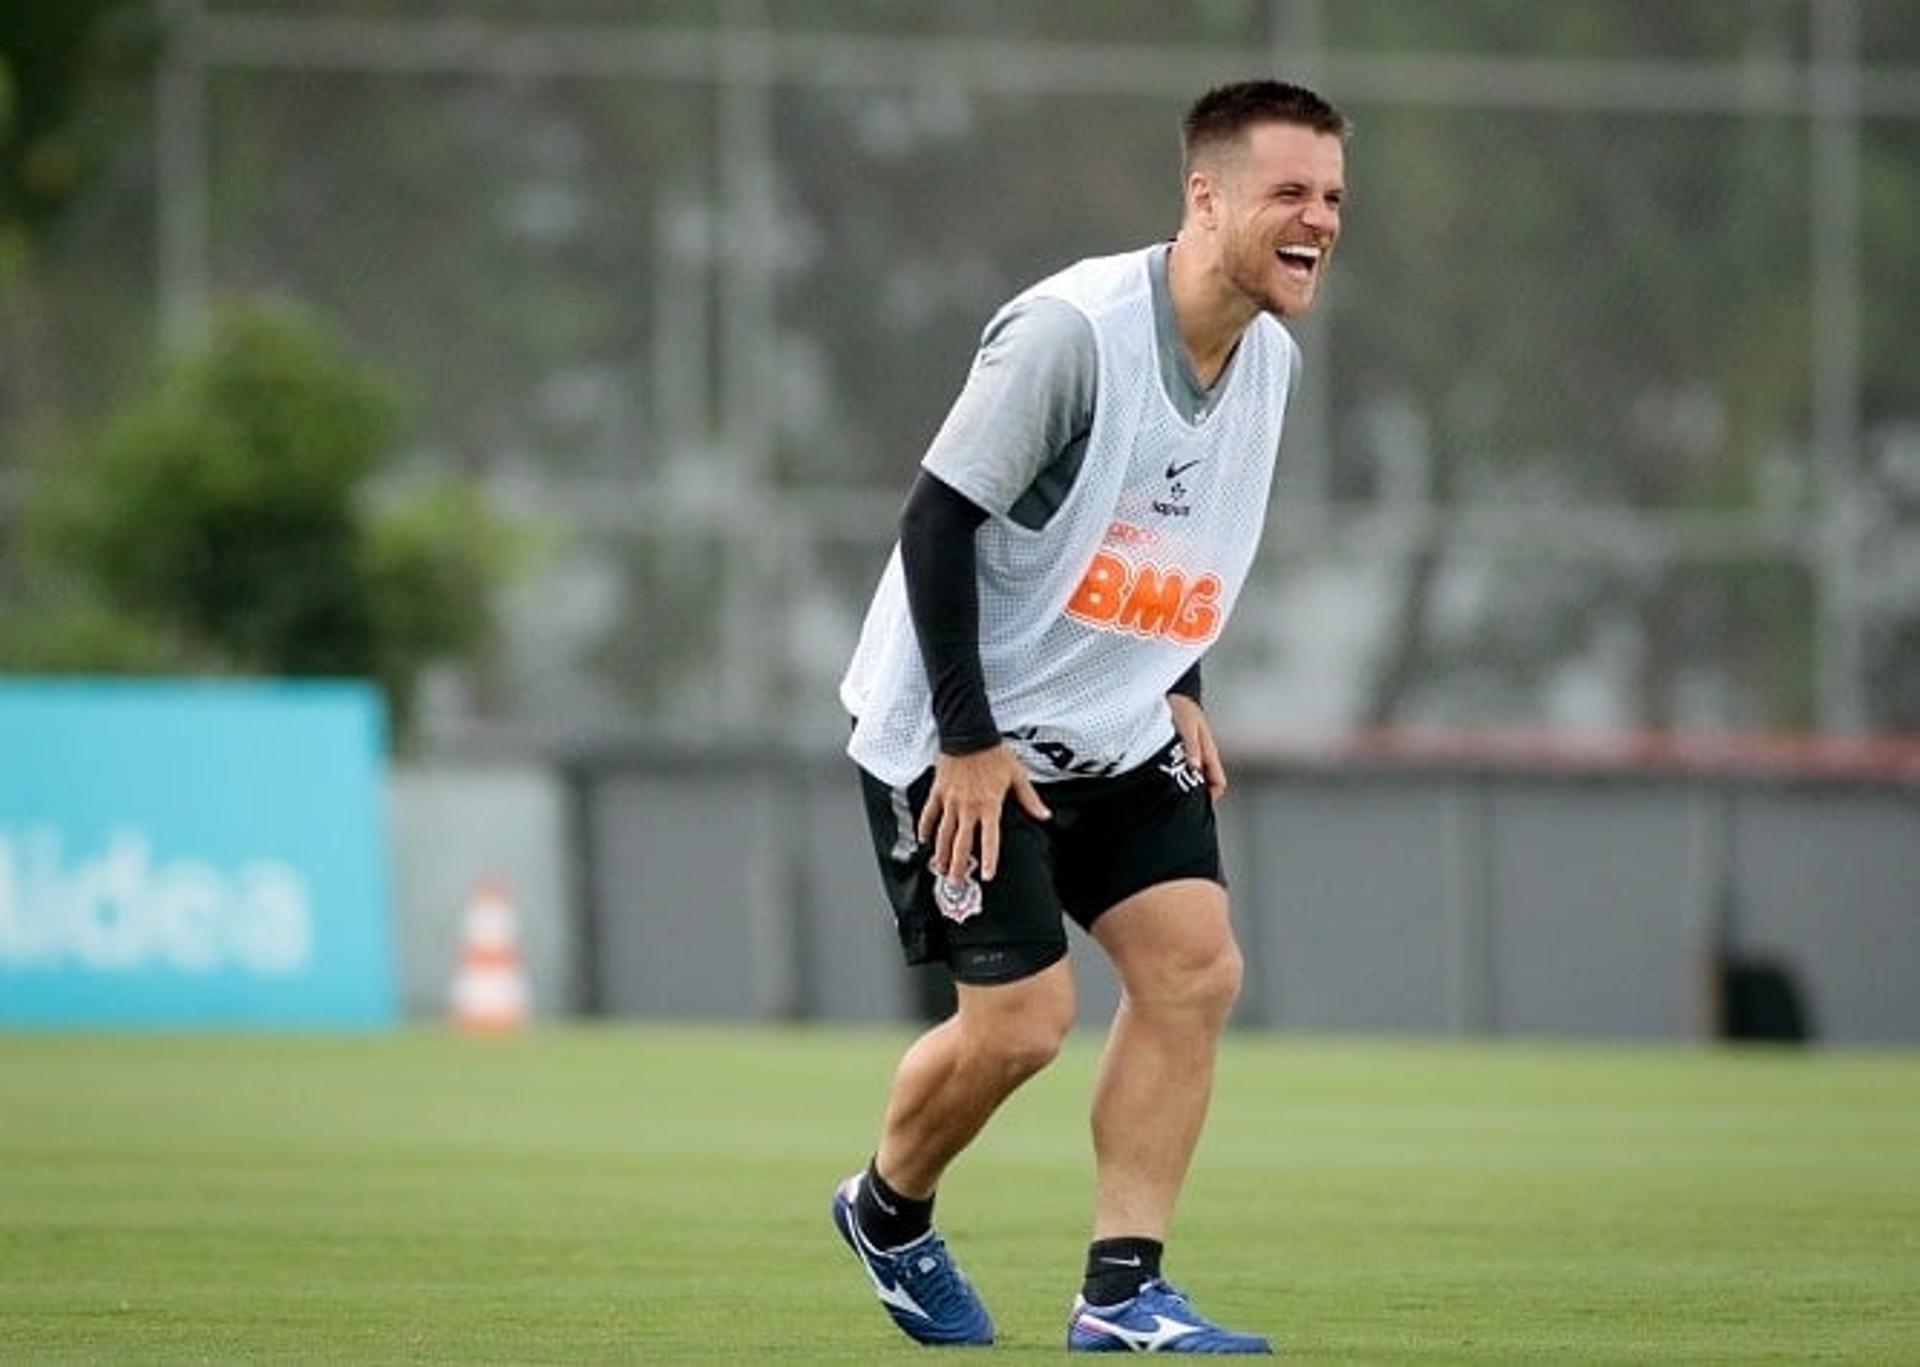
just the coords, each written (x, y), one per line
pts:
(490, 992)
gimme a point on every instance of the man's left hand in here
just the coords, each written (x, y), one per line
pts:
(1191, 725)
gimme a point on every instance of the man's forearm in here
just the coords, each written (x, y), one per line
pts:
(943, 596)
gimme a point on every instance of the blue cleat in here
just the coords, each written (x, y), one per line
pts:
(923, 1289)
(1157, 1320)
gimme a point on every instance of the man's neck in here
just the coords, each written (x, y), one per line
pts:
(1209, 312)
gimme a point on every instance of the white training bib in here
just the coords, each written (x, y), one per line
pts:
(1086, 622)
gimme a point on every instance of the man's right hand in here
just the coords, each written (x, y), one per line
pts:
(962, 811)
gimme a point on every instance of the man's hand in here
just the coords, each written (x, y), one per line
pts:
(962, 812)
(1191, 725)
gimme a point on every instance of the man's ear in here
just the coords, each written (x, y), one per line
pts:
(1203, 198)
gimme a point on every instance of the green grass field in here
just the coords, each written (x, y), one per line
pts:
(660, 1195)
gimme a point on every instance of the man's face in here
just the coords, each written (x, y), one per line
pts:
(1279, 214)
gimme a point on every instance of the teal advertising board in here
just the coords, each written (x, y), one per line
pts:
(193, 855)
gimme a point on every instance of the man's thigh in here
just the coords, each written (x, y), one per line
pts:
(1115, 838)
(1163, 935)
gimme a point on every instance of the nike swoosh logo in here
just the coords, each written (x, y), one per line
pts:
(1175, 471)
(1134, 1261)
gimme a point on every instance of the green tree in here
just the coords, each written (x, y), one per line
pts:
(45, 54)
(229, 519)
(51, 58)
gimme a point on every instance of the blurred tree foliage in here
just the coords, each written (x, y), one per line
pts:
(55, 62)
(228, 519)
(45, 53)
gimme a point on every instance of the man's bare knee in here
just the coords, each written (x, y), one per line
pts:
(1017, 1054)
(1222, 980)
(1203, 985)
(1018, 1029)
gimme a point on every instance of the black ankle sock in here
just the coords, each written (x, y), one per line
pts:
(1117, 1268)
(887, 1218)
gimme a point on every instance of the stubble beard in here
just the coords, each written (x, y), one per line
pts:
(1252, 273)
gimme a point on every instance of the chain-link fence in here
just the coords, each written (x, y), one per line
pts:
(1611, 419)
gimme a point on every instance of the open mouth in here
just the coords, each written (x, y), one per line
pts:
(1299, 260)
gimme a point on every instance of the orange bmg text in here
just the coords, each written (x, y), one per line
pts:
(1146, 600)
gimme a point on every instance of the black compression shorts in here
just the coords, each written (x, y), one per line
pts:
(1108, 839)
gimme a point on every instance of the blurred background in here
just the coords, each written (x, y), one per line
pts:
(560, 365)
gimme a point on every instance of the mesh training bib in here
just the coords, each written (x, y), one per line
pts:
(1085, 623)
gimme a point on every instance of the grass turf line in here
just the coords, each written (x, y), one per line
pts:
(660, 1195)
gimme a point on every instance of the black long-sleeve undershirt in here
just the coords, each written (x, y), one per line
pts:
(937, 527)
(943, 595)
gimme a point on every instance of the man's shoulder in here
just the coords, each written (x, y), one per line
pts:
(1038, 322)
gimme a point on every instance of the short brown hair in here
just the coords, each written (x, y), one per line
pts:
(1225, 113)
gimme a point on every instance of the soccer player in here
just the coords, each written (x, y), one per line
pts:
(1026, 702)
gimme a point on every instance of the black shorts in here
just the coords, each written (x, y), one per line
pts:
(1108, 839)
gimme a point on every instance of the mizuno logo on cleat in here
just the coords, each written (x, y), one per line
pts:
(891, 1294)
(897, 1297)
(1164, 1331)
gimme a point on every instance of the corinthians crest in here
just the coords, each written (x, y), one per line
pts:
(958, 898)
